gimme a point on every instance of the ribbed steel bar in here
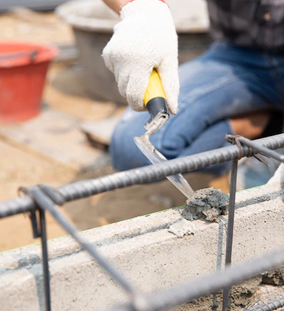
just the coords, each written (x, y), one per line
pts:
(46, 277)
(261, 149)
(142, 175)
(175, 296)
(45, 204)
(271, 305)
(230, 230)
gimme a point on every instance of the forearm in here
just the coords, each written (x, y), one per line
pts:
(115, 5)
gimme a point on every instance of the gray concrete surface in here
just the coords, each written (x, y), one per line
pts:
(145, 251)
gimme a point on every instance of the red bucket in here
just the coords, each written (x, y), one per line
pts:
(23, 68)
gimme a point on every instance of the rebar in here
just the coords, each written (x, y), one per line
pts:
(230, 230)
(44, 198)
(180, 294)
(142, 175)
(261, 149)
(46, 278)
(44, 203)
(274, 304)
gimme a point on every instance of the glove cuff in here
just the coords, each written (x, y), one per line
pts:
(158, 0)
(136, 5)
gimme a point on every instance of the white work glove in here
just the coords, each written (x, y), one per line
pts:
(145, 39)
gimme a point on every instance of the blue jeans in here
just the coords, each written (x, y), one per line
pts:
(224, 82)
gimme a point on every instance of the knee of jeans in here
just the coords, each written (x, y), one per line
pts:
(170, 148)
(117, 152)
(123, 150)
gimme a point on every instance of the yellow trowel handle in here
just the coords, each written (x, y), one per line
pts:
(155, 98)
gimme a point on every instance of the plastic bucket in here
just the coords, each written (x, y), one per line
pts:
(23, 68)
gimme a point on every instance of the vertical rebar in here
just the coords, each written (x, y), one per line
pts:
(230, 230)
(45, 268)
(44, 202)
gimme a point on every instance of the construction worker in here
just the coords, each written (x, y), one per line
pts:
(235, 87)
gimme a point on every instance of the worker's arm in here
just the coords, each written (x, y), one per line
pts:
(116, 5)
(144, 39)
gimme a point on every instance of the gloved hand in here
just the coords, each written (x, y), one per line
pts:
(145, 39)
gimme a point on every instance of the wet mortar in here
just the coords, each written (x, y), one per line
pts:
(207, 204)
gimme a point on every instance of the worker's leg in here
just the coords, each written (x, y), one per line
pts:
(251, 173)
(132, 124)
(224, 82)
(126, 155)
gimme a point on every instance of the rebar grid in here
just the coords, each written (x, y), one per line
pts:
(143, 175)
(43, 198)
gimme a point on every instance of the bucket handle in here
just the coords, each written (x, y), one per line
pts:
(32, 55)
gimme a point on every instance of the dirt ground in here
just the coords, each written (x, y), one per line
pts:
(64, 91)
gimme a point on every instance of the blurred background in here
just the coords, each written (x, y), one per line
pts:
(59, 105)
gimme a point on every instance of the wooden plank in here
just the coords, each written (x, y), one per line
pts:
(56, 136)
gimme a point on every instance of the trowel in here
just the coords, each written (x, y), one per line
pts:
(156, 104)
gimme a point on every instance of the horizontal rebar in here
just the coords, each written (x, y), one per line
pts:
(271, 305)
(182, 293)
(141, 175)
(261, 149)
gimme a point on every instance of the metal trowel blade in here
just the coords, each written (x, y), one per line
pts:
(155, 157)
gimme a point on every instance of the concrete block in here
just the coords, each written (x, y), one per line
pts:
(144, 250)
